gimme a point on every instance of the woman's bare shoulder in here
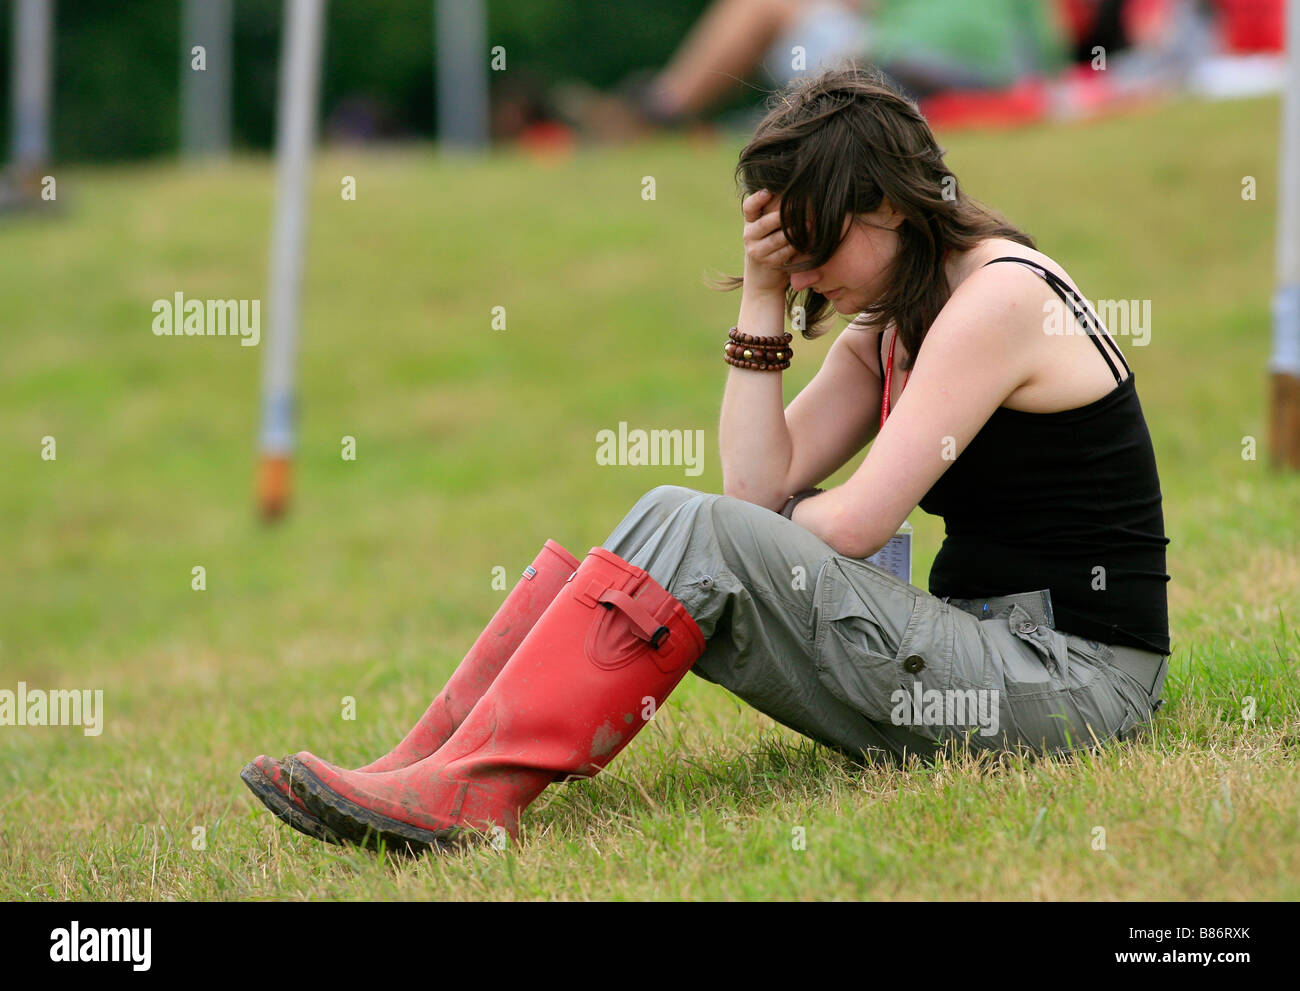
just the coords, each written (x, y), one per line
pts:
(998, 247)
(1066, 371)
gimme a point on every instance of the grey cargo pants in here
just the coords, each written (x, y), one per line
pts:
(848, 655)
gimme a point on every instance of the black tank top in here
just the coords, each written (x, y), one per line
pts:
(1068, 501)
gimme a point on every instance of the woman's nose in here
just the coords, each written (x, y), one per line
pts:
(800, 281)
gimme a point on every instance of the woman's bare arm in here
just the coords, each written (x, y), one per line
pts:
(769, 452)
(837, 413)
(754, 442)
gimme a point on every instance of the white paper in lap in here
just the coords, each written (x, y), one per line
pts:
(896, 556)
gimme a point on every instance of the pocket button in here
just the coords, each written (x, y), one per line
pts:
(706, 582)
(1027, 627)
(914, 663)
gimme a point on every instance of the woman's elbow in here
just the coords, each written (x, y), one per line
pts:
(858, 543)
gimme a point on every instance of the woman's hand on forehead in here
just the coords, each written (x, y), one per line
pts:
(766, 246)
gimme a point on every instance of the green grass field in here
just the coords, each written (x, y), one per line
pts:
(474, 445)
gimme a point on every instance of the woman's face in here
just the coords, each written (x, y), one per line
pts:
(854, 277)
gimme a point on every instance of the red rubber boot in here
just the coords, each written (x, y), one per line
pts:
(570, 699)
(535, 590)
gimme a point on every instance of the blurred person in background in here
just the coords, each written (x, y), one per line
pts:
(930, 46)
(1146, 47)
(925, 46)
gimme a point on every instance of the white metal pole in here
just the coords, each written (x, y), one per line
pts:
(296, 133)
(205, 92)
(460, 38)
(1285, 360)
(31, 84)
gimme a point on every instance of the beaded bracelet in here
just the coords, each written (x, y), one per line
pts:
(756, 353)
(764, 354)
(757, 366)
(735, 334)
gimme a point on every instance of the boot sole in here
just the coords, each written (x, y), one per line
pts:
(360, 825)
(282, 808)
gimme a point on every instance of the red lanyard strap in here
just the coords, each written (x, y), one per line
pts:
(889, 377)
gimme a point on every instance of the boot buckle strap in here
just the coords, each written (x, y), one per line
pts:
(648, 628)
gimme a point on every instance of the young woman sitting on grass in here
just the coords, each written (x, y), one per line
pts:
(992, 397)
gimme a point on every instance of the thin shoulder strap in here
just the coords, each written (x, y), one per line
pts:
(1088, 320)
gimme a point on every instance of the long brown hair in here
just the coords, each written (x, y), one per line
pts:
(835, 145)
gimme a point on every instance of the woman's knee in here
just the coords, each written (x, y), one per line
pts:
(750, 532)
(724, 511)
(674, 493)
(649, 513)
(661, 501)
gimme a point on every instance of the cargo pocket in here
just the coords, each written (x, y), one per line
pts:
(879, 642)
(1054, 662)
(1055, 698)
